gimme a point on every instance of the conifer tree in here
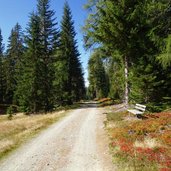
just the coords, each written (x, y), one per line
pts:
(69, 72)
(116, 77)
(165, 57)
(36, 91)
(29, 92)
(98, 83)
(137, 30)
(1, 43)
(2, 71)
(49, 42)
(119, 26)
(162, 31)
(148, 78)
(15, 50)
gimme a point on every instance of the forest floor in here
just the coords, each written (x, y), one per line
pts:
(77, 142)
(139, 144)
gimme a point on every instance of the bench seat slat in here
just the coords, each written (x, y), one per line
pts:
(140, 105)
(140, 108)
(136, 112)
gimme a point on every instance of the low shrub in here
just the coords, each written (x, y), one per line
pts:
(141, 144)
(3, 109)
(12, 109)
(118, 116)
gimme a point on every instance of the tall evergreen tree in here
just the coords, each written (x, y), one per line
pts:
(15, 50)
(98, 83)
(69, 71)
(121, 26)
(115, 74)
(29, 89)
(137, 30)
(116, 25)
(2, 71)
(165, 57)
(1, 43)
(162, 32)
(148, 77)
(49, 41)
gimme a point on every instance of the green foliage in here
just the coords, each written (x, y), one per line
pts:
(12, 109)
(2, 71)
(115, 117)
(165, 104)
(26, 93)
(69, 81)
(35, 90)
(49, 37)
(165, 57)
(15, 50)
(98, 82)
(135, 31)
(42, 69)
(116, 77)
(119, 26)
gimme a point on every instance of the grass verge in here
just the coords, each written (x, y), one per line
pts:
(140, 145)
(22, 127)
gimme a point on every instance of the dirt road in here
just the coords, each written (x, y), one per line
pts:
(76, 143)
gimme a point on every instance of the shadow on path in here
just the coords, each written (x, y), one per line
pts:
(90, 104)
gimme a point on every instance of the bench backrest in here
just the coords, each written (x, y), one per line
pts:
(140, 107)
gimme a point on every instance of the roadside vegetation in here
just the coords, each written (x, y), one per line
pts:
(20, 128)
(140, 145)
(107, 102)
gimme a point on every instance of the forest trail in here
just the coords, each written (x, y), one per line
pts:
(76, 143)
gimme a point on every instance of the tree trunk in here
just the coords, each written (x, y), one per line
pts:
(126, 81)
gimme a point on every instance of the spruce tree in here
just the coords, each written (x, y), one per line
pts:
(29, 90)
(115, 74)
(1, 43)
(69, 72)
(148, 78)
(49, 42)
(165, 57)
(98, 83)
(162, 32)
(119, 26)
(139, 31)
(15, 50)
(2, 71)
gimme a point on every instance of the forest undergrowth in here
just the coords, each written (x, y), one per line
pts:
(140, 144)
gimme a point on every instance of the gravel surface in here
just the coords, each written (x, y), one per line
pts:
(76, 143)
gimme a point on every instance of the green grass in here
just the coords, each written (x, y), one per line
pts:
(118, 116)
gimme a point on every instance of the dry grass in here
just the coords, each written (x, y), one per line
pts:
(22, 127)
(147, 143)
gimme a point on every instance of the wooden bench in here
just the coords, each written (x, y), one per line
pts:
(138, 110)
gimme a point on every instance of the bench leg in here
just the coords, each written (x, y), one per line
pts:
(139, 116)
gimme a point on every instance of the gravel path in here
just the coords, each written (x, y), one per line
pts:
(76, 143)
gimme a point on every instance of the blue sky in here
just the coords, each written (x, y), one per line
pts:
(13, 11)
